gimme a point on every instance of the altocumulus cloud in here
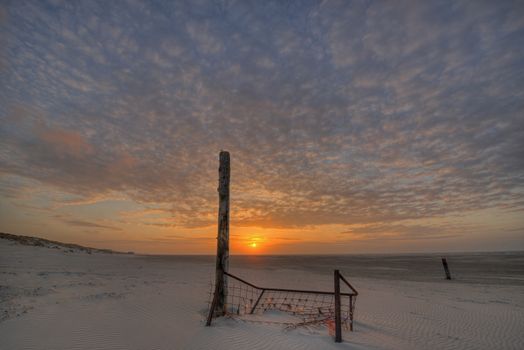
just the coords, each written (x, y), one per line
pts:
(335, 112)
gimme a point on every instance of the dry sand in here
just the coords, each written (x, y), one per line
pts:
(68, 299)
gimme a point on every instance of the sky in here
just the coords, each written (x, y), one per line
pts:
(353, 126)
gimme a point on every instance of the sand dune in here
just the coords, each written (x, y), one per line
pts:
(52, 299)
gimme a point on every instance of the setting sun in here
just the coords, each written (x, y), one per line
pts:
(253, 245)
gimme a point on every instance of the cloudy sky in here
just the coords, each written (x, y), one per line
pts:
(353, 126)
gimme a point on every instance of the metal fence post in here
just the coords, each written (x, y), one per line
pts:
(338, 318)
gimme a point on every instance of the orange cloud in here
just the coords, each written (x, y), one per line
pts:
(122, 164)
(67, 142)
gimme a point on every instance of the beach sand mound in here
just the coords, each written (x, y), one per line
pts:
(41, 242)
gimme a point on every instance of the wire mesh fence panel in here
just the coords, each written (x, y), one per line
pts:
(307, 307)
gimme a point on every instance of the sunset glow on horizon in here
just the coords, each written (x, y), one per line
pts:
(353, 127)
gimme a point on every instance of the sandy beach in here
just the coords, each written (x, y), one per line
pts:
(61, 298)
(259, 175)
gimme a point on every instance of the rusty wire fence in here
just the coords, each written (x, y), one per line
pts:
(308, 307)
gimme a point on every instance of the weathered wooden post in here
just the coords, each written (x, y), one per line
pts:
(446, 268)
(222, 263)
(338, 318)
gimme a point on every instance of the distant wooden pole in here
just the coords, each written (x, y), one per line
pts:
(338, 318)
(222, 263)
(446, 268)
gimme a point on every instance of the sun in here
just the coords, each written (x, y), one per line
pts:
(253, 245)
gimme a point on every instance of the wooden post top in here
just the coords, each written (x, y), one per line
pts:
(224, 173)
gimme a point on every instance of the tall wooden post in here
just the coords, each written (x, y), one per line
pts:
(222, 263)
(446, 268)
(338, 318)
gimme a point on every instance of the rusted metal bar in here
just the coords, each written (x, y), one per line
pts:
(338, 318)
(348, 284)
(258, 300)
(303, 291)
(241, 280)
(283, 289)
(446, 268)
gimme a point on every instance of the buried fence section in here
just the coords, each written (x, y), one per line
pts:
(306, 306)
